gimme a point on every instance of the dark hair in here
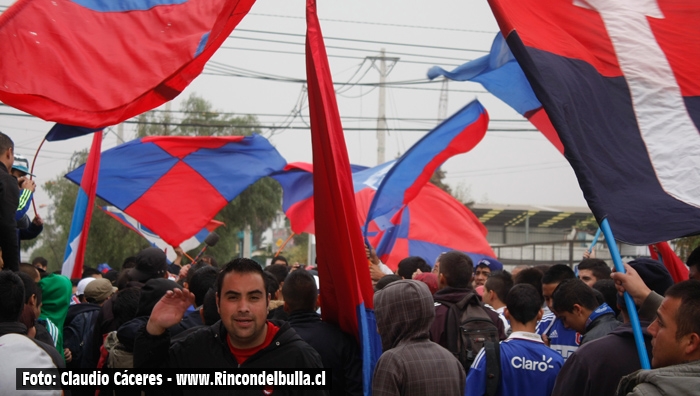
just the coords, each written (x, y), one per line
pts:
(409, 265)
(202, 280)
(573, 291)
(125, 305)
(688, 315)
(300, 292)
(279, 271)
(208, 260)
(89, 271)
(11, 295)
(457, 268)
(606, 287)
(112, 276)
(271, 284)
(694, 257)
(5, 143)
(382, 283)
(129, 262)
(29, 270)
(193, 269)
(500, 282)
(240, 265)
(531, 276)
(211, 311)
(40, 260)
(30, 287)
(557, 273)
(523, 303)
(597, 266)
(280, 257)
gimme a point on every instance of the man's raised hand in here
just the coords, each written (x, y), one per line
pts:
(169, 310)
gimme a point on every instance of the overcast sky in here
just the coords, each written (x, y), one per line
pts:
(516, 167)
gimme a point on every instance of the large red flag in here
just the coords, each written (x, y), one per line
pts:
(346, 287)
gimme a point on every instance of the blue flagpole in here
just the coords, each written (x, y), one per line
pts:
(631, 308)
(595, 240)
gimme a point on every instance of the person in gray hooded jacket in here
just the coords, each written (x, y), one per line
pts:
(412, 364)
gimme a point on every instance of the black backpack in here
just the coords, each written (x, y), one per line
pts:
(468, 329)
(78, 335)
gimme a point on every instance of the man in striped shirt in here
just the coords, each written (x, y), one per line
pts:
(553, 332)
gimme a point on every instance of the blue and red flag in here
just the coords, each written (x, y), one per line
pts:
(343, 268)
(403, 181)
(618, 80)
(503, 77)
(174, 185)
(102, 62)
(154, 239)
(82, 214)
(432, 223)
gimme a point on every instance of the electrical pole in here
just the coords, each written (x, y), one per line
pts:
(442, 105)
(381, 113)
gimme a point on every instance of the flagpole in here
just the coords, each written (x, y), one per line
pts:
(595, 240)
(631, 308)
(31, 171)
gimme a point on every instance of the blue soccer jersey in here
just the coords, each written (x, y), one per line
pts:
(563, 340)
(528, 368)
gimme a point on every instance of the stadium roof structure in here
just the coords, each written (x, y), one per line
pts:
(494, 215)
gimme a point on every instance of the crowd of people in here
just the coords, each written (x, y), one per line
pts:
(453, 327)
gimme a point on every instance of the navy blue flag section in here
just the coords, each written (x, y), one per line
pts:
(171, 379)
(619, 83)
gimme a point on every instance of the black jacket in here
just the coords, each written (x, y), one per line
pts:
(600, 327)
(207, 348)
(597, 367)
(9, 200)
(339, 351)
(454, 295)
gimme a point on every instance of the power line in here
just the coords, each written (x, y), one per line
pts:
(362, 41)
(298, 80)
(228, 113)
(461, 60)
(378, 23)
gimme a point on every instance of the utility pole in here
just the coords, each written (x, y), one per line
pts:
(442, 105)
(120, 133)
(381, 113)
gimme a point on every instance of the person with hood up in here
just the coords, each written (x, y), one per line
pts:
(412, 364)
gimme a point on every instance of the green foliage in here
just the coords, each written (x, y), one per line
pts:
(685, 246)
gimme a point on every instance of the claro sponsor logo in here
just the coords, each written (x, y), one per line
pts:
(523, 363)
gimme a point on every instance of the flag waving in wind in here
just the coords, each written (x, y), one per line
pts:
(82, 214)
(175, 185)
(102, 62)
(502, 76)
(154, 239)
(619, 81)
(342, 265)
(402, 182)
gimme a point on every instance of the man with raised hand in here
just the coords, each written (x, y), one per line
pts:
(243, 338)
